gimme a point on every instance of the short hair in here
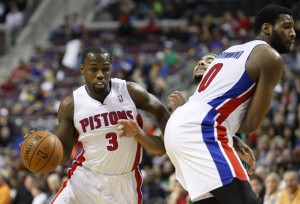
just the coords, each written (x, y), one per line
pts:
(257, 178)
(269, 14)
(95, 50)
(211, 54)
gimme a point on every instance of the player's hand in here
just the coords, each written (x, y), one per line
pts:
(175, 100)
(24, 137)
(127, 128)
(245, 153)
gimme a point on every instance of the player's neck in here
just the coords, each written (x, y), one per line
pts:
(262, 37)
(98, 96)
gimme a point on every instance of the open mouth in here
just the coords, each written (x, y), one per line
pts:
(292, 42)
(99, 85)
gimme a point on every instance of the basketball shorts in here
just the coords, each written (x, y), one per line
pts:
(84, 186)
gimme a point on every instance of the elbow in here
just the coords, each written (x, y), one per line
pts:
(159, 152)
(251, 128)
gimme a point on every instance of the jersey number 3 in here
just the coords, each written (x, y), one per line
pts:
(211, 74)
(112, 140)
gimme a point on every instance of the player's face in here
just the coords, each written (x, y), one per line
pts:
(96, 69)
(201, 67)
(283, 34)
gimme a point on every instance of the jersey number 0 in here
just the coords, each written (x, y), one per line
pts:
(211, 74)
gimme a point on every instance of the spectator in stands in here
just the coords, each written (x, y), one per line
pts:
(152, 191)
(71, 56)
(296, 16)
(14, 20)
(178, 195)
(38, 191)
(54, 183)
(125, 28)
(143, 8)
(150, 28)
(245, 24)
(23, 194)
(103, 15)
(291, 192)
(262, 149)
(158, 8)
(229, 25)
(76, 25)
(6, 138)
(257, 186)
(4, 191)
(2, 12)
(272, 182)
(158, 83)
(63, 31)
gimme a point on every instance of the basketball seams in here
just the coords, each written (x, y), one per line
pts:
(37, 149)
(25, 143)
(54, 146)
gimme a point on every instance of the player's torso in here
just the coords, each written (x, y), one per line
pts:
(226, 86)
(103, 151)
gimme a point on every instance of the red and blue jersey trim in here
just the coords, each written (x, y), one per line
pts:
(214, 134)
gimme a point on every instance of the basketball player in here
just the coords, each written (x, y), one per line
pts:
(244, 152)
(233, 96)
(106, 171)
(176, 99)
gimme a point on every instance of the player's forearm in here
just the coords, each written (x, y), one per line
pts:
(153, 144)
(162, 122)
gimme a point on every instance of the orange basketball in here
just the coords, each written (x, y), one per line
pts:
(41, 152)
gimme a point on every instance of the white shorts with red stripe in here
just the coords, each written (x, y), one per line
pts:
(201, 151)
(84, 186)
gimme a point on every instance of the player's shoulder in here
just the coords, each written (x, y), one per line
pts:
(67, 106)
(67, 101)
(267, 54)
(134, 87)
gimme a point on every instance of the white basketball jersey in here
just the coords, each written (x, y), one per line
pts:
(102, 150)
(226, 87)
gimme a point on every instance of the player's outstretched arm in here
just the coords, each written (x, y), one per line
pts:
(65, 131)
(175, 100)
(245, 153)
(150, 104)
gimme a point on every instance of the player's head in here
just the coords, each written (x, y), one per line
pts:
(202, 65)
(96, 68)
(274, 24)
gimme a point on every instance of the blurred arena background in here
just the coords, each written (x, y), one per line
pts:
(155, 43)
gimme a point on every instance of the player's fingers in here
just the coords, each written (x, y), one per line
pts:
(172, 103)
(252, 161)
(24, 137)
(28, 134)
(121, 128)
(179, 97)
(251, 168)
(127, 127)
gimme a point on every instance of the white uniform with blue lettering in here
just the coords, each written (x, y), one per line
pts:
(198, 134)
(106, 170)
